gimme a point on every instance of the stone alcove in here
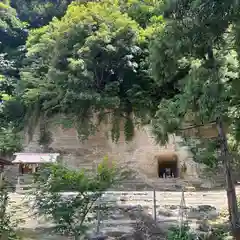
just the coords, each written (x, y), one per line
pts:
(167, 163)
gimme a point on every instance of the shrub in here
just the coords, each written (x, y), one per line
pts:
(72, 214)
(181, 233)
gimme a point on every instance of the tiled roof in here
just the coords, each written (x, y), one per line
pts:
(35, 157)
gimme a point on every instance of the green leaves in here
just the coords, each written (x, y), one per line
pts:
(181, 233)
(11, 27)
(88, 62)
(191, 54)
(168, 119)
(69, 196)
(10, 140)
(39, 13)
(204, 151)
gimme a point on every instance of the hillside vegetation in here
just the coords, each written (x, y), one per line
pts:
(154, 62)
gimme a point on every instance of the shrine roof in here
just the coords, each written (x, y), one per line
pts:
(35, 157)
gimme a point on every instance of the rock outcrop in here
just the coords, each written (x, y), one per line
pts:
(138, 155)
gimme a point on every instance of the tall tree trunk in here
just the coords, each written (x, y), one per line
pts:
(230, 187)
(76, 236)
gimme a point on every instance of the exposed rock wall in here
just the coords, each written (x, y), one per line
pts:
(139, 154)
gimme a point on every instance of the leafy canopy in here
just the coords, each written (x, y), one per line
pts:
(39, 13)
(90, 62)
(11, 28)
(192, 53)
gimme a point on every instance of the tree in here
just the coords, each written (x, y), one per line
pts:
(91, 62)
(72, 213)
(11, 28)
(10, 140)
(142, 11)
(11, 111)
(39, 13)
(195, 52)
(12, 39)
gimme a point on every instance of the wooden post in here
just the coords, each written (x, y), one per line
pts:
(98, 220)
(154, 205)
(98, 201)
(230, 187)
(182, 211)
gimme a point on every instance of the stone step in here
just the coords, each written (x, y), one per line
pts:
(154, 183)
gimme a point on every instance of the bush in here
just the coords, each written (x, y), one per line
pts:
(72, 214)
(220, 233)
(181, 233)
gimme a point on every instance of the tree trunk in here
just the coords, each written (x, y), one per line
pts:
(230, 187)
(76, 236)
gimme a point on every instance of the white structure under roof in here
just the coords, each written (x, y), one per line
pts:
(35, 158)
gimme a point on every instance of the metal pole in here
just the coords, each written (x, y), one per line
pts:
(154, 205)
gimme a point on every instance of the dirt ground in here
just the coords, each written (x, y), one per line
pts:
(34, 228)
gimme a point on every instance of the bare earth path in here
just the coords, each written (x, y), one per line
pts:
(118, 221)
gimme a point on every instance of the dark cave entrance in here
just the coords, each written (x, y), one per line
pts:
(168, 169)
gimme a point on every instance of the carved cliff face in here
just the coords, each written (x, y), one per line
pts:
(166, 157)
(140, 154)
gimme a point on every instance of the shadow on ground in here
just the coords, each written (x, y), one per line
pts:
(40, 234)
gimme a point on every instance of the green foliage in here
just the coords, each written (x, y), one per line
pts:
(166, 119)
(12, 37)
(204, 151)
(91, 61)
(192, 54)
(72, 212)
(10, 140)
(38, 13)
(220, 234)
(195, 53)
(88, 63)
(181, 233)
(7, 226)
(141, 11)
(11, 27)
(11, 110)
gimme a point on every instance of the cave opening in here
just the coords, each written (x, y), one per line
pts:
(168, 169)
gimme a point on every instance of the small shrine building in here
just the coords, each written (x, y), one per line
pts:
(29, 162)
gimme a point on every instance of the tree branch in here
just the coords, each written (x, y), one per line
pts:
(195, 126)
